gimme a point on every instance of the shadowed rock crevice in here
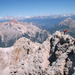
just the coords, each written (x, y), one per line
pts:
(28, 51)
(52, 58)
(62, 41)
(70, 64)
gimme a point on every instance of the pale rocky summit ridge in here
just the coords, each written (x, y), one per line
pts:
(55, 56)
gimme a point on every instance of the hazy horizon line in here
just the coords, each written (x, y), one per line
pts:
(37, 15)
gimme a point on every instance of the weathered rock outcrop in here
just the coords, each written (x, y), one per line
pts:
(55, 56)
(24, 58)
(61, 55)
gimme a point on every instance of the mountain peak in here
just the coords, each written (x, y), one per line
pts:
(68, 19)
(13, 21)
(66, 22)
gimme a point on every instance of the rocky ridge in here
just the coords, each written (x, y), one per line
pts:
(55, 56)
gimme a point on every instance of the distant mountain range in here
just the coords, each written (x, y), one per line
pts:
(13, 30)
(68, 24)
(45, 22)
(50, 23)
(38, 17)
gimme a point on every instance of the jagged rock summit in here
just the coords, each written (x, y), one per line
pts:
(55, 56)
(13, 21)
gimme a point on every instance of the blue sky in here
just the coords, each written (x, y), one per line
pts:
(35, 7)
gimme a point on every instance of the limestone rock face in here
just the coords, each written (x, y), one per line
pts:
(62, 60)
(55, 56)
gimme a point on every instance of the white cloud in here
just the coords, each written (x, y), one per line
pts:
(1, 17)
(27, 16)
